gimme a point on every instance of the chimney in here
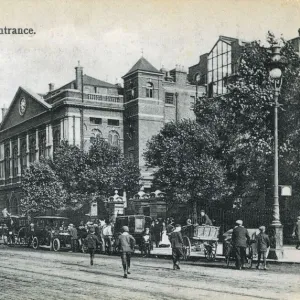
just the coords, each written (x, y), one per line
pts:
(79, 76)
(4, 110)
(299, 32)
(51, 87)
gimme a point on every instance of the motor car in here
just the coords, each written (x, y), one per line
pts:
(51, 232)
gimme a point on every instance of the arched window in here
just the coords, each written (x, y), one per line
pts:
(7, 164)
(96, 134)
(113, 138)
(32, 150)
(15, 161)
(42, 145)
(149, 90)
(56, 139)
(23, 158)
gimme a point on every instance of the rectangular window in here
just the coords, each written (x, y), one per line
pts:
(113, 122)
(169, 98)
(193, 98)
(96, 121)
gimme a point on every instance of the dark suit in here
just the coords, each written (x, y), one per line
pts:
(240, 239)
(176, 244)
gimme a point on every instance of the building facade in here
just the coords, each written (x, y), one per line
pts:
(35, 124)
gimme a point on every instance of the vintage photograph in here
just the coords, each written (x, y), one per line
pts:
(149, 149)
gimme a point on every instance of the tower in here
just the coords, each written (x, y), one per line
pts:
(143, 111)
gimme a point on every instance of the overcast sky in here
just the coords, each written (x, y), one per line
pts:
(107, 36)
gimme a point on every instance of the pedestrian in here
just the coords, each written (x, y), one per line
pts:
(91, 242)
(204, 218)
(157, 233)
(296, 232)
(146, 243)
(240, 239)
(73, 233)
(82, 234)
(177, 246)
(263, 243)
(108, 235)
(170, 226)
(126, 246)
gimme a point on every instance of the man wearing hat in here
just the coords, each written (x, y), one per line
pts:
(73, 233)
(263, 243)
(177, 246)
(240, 238)
(296, 232)
(126, 245)
(91, 241)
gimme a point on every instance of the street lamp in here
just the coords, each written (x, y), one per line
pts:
(276, 66)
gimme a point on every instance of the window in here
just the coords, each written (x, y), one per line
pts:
(32, 150)
(42, 145)
(56, 139)
(113, 122)
(23, 158)
(149, 90)
(15, 161)
(113, 138)
(193, 98)
(97, 121)
(97, 134)
(7, 163)
(169, 98)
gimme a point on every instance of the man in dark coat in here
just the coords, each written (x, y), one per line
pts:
(91, 242)
(177, 246)
(296, 232)
(240, 239)
(204, 219)
(157, 233)
(263, 243)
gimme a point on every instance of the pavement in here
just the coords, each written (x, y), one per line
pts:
(291, 254)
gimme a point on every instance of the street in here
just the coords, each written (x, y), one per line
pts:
(28, 274)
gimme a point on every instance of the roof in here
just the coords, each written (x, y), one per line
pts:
(142, 65)
(88, 80)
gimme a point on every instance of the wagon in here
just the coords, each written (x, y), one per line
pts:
(200, 238)
(251, 250)
(51, 232)
(136, 225)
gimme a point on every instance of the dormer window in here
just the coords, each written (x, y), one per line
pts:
(149, 90)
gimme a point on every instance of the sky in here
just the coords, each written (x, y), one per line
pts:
(109, 36)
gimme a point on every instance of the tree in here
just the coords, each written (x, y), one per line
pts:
(42, 189)
(243, 120)
(187, 170)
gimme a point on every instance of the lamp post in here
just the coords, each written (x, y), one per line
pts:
(276, 66)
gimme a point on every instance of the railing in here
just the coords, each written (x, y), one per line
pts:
(107, 98)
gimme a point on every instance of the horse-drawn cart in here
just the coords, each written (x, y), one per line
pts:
(200, 238)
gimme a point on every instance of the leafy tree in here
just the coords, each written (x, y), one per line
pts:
(244, 122)
(42, 189)
(187, 170)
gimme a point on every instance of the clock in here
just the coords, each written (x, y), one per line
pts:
(22, 107)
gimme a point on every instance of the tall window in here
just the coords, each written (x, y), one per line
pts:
(42, 145)
(149, 90)
(56, 139)
(32, 150)
(219, 68)
(23, 158)
(15, 161)
(113, 138)
(169, 98)
(7, 164)
(96, 134)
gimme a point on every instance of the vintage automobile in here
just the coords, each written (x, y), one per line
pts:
(15, 229)
(136, 225)
(51, 232)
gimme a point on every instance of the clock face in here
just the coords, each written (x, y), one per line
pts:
(22, 107)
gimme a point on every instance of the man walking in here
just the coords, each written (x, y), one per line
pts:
(73, 233)
(263, 243)
(177, 246)
(240, 238)
(91, 241)
(126, 245)
(296, 232)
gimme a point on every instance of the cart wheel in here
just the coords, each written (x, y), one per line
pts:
(56, 244)
(186, 247)
(35, 243)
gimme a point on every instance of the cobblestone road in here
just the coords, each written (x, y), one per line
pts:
(28, 274)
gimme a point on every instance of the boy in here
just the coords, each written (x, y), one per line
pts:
(177, 246)
(263, 243)
(126, 246)
(146, 243)
(91, 241)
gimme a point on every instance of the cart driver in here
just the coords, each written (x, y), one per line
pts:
(204, 219)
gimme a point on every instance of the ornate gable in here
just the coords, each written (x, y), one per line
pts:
(24, 106)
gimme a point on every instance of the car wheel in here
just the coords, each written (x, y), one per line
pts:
(56, 244)
(35, 243)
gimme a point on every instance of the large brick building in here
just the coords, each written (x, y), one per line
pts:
(84, 108)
